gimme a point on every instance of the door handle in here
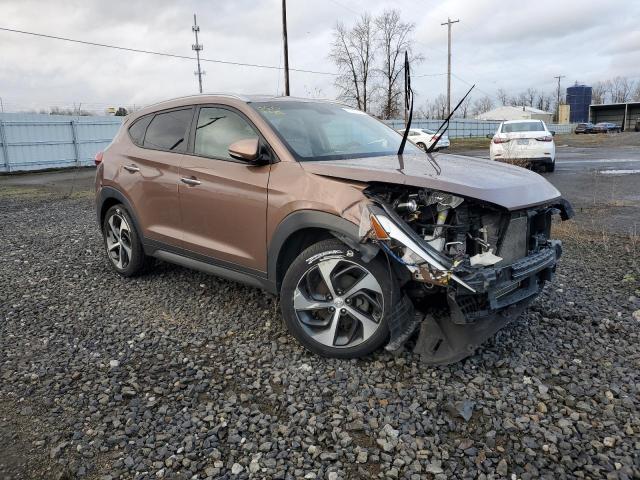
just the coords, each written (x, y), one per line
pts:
(190, 181)
(131, 168)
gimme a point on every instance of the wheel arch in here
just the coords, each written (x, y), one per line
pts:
(109, 197)
(302, 229)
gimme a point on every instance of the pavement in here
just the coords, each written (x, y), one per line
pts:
(602, 183)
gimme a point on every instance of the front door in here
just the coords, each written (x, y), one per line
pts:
(223, 200)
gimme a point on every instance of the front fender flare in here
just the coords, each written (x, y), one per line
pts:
(340, 228)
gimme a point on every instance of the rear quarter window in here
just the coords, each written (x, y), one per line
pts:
(138, 129)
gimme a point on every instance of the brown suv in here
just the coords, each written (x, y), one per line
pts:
(310, 200)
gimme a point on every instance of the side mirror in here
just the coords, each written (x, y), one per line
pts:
(247, 149)
(489, 135)
(553, 133)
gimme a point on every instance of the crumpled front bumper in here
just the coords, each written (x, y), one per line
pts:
(500, 287)
(502, 294)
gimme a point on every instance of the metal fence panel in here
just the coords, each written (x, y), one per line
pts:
(463, 128)
(37, 142)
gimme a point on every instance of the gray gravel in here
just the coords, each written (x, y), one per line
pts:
(182, 375)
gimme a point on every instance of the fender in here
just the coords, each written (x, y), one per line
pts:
(109, 192)
(340, 228)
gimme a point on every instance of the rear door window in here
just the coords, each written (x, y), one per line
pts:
(218, 128)
(168, 131)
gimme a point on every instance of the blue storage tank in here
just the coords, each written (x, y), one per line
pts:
(579, 98)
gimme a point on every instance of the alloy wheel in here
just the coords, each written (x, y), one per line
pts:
(338, 303)
(118, 238)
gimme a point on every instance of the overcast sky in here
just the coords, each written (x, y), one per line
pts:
(497, 44)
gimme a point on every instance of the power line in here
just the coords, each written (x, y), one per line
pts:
(163, 54)
(185, 57)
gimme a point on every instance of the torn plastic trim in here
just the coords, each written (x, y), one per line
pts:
(395, 232)
(566, 210)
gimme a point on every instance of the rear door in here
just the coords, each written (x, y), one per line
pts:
(150, 172)
(223, 200)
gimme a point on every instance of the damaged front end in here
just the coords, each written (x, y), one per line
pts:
(467, 267)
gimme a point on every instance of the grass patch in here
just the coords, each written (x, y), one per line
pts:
(19, 191)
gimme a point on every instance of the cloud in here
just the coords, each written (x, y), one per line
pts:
(497, 44)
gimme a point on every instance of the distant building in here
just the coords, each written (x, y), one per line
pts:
(627, 115)
(579, 98)
(516, 113)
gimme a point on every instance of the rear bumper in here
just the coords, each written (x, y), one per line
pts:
(531, 161)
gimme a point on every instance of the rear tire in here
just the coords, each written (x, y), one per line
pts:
(335, 304)
(550, 167)
(422, 146)
(122, 243)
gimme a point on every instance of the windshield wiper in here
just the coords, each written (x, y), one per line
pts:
(408, 101)
(445, 124)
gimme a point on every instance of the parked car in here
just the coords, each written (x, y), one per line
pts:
(310, 200)
(424, 138)
(606, 127)
(584, 128)
(526, 141)
(637, 128)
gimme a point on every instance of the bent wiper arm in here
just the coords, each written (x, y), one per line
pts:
(408, 102)
(446, 122)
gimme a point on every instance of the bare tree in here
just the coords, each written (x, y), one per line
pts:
(482, 105)
(465, 108)
(394, 38)
(439, 107)
(620, 89)
(543, 102)
(530, 96)
(424, 111)
(636, 93)
(599, 92)
(353, 52)
(502, 96)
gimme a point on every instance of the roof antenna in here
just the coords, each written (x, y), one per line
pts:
(408, 101)
(445, 124)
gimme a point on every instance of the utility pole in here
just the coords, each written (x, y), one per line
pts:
(197, 47)
(286, 48)
(448, 23)
(558, 99)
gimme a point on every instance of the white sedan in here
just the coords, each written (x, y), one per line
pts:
(524, 140)
(424, 138)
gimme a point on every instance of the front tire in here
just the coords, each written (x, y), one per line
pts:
(122, 243)
(550, 167)
(335, 304)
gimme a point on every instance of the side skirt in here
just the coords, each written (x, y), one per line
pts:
(208, 265)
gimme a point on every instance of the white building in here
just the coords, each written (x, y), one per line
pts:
(516, 113)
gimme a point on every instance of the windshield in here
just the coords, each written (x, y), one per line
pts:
(522, 127)
(327, 131)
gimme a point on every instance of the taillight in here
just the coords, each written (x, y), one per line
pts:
(434, 138)
(501, 140)
(98, 158)
(546, 138)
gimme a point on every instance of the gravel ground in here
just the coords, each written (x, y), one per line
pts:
(182, 375)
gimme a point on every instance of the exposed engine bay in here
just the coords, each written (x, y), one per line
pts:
(482, 262)
(467, 231)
